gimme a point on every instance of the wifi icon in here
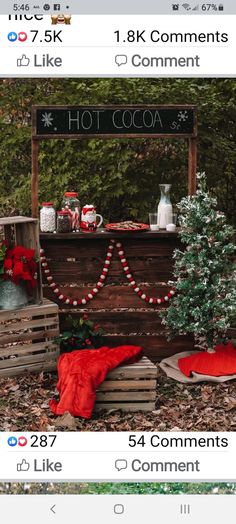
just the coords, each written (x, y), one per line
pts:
(187, 7)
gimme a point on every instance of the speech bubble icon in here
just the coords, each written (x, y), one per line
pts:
(119, 509)
(121, 464)
(121, 60)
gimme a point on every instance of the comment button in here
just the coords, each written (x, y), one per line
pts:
(121, 60)
(121, 464)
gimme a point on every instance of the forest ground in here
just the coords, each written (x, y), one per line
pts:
(179, 407)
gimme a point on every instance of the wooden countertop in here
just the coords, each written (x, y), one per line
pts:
(103, 234)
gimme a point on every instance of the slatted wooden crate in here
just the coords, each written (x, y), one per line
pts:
(129, 388)
(27, 339)
(24, 231)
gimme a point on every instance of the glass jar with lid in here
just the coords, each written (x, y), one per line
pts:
(71, 201)
(47, 218)
(63, 222)
(72, 204)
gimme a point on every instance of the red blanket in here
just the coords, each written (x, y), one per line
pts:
(81, 372)
(220, 363)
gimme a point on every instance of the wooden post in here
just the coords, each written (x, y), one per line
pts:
(34, 178)
(192, 166)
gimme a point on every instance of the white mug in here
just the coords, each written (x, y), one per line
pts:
(89, 218)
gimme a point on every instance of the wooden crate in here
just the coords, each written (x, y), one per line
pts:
(27, 339)
(24, 231)
(129, 388)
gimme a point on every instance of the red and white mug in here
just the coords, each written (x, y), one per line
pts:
(89, 217)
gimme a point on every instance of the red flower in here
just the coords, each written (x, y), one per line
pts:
(18, 269)
(29, 255)
(85, 317)
(7, 264)
(18, 252)
(20, 264)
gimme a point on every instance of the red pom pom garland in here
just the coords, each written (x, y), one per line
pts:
(101, 281)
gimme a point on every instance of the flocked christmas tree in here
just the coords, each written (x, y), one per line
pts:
(205, 302)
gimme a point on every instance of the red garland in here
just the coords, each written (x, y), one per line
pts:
(101, 281)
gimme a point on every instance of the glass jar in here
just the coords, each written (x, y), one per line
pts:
(71, 201)
(72, 204)
(47, 218)
(63, 222)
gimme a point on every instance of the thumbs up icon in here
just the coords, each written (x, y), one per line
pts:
(23, 466)
(24, 61)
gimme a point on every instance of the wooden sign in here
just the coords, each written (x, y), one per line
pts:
(113, 121)
(130, 121)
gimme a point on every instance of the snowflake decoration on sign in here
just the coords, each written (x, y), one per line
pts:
(182, 116)
(47, 119)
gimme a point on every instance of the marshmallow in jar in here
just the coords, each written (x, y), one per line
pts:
(47, 218)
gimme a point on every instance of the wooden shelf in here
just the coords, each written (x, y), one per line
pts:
(17, 220)
(103, 234)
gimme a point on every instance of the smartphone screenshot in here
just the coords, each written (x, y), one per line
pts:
(117, 261)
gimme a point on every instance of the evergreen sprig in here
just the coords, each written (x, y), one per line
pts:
(80, 334)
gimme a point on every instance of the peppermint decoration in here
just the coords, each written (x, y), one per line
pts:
(101, 281)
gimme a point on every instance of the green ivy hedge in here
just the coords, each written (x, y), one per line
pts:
(120, 176)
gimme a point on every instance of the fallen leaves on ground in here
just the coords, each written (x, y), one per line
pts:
(179, 407)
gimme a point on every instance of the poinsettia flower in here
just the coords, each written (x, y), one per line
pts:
(29, 254)
(7, 264)
(20, 265)
(18, 269)
(18, 251)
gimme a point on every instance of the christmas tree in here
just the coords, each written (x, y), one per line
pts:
(205, 272)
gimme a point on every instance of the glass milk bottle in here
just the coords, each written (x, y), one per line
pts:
(164, 209)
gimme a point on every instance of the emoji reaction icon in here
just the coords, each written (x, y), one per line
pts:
(22, 441)
(61, 19)
(12, 442)
(12, 36)
(22, 36)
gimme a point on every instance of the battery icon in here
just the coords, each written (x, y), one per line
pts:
(221, 7)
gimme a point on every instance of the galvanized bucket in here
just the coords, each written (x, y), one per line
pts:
(12, 296)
